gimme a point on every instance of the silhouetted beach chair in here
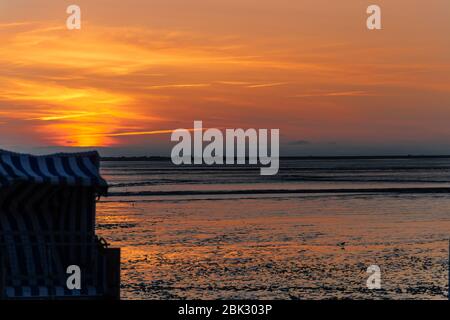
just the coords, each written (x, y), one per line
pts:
(47, 223)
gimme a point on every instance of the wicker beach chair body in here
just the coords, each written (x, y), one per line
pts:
(47, 225)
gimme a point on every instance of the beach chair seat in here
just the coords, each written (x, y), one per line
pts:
(42, 270)
(36, 293)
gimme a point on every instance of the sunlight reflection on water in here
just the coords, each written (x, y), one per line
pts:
(279, 246)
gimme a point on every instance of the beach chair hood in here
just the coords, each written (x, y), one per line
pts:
(61, 169)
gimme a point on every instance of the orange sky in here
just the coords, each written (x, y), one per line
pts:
(141, 67)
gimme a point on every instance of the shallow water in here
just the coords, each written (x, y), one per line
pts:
(284, 246)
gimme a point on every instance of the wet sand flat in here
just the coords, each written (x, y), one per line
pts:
(280, 247)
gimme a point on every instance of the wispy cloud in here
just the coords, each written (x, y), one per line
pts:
(67, 116)
(235, 83)
(136, 133)
(266, 85)
(14, 24)
(177, 86)
(299, 142)
(335, 94)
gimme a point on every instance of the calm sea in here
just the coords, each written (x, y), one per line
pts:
(309, 232)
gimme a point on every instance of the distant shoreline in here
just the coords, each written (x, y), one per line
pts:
(398, 157)
(401, 190)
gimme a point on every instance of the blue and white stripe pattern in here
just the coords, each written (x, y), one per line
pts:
(40, 292)
(79, 169)
(47, 222)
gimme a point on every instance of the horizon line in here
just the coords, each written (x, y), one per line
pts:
(330, 157)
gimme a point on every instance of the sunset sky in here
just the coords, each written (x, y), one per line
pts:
(140, 68)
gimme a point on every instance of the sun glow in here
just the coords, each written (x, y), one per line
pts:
(123, 79)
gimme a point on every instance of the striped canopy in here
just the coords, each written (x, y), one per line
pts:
(62, 169)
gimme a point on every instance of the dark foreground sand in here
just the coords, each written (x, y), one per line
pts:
(280, 247)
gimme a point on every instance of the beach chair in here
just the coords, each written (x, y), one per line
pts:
(47, 226)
